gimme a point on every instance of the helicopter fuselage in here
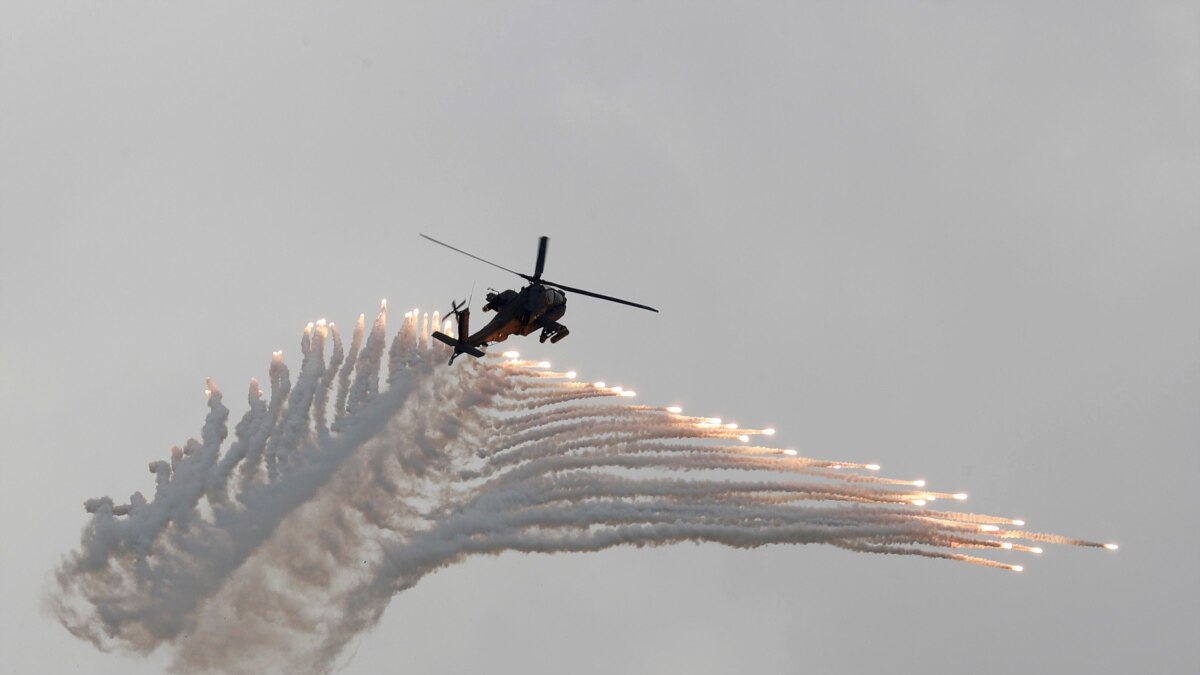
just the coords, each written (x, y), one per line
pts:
(535, 307)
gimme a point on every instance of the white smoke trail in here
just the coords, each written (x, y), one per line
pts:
(285, 567)
(321, 402)
(348, 370)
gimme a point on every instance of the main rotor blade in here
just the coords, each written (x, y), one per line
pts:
(596, 295)
(469, 255)
(541, 260)
(537, 277)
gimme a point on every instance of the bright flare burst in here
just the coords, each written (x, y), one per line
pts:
(336, 494)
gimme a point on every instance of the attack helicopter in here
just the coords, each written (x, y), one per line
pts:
(537, 306)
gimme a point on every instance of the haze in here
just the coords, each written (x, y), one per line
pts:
(959, 240)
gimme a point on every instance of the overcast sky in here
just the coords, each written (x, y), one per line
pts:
(959, 239)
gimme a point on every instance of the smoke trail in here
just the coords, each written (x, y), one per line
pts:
(283, 568)
(320, 403)
(344, 379)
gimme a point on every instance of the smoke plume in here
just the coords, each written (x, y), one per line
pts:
(272, 556)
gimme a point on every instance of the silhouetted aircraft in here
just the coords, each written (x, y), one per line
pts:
(537, 306)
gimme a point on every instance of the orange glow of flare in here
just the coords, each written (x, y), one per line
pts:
(629, 393)
(731, 425)
(1017, 568)
(599, 385)
(793, 453)
(919, 502)
(617, 390)
(511, 355)
(988, 528)
(1111, 547)
(743, 438)
(768, 432)
(1019, 523)
(572, 374)
(674, 409)
(872, 467)
(960, 496)
(920, 482)
(543, 364)
(1035, 549)
(1006, 545)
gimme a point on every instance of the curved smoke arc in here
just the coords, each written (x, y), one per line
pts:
(336, 493)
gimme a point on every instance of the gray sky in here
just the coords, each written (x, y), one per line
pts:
(959, 239)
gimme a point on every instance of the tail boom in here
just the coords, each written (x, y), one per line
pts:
(460, 345)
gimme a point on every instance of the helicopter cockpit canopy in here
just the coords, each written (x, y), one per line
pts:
(553, 296)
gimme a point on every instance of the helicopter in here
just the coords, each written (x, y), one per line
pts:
(537, 306)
